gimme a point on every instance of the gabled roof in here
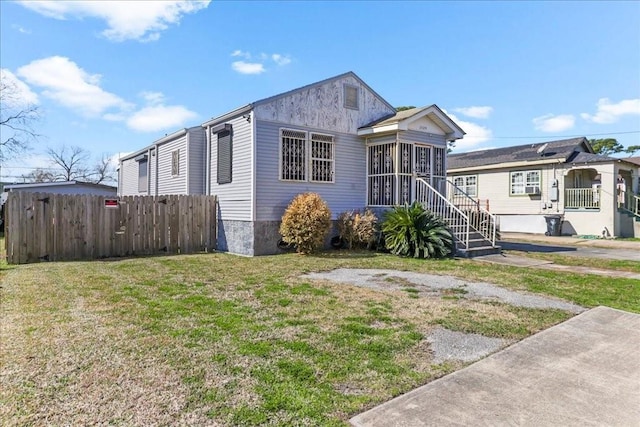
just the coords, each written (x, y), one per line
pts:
(560, 151)
(248, 107)
(634, 160)
(402, 119)
(168, 137)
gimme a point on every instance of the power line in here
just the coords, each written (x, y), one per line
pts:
(559, 136)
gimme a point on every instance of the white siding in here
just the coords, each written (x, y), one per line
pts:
(129, 178)
(234, 198)
(273, 195)
(168, 184)
(322, 107)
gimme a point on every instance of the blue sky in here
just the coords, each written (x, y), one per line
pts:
(112, 77)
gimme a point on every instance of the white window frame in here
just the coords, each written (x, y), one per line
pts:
(309, 162)
(465, 185)
(526, 181)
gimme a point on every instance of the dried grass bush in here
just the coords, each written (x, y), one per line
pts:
(306, 222)
(357, 229)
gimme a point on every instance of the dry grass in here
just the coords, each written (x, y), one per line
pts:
(223, 340)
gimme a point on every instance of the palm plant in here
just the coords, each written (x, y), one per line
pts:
(413, 231)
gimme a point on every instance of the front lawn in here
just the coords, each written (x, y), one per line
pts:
(217, 339)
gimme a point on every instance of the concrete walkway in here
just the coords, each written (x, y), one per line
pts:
(585, 371)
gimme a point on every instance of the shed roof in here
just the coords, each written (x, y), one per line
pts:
(560, 150)
(58, 184)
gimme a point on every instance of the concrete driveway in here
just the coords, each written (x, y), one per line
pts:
(571, 246)
(585, 371)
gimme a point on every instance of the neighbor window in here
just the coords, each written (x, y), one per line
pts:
(143, 173)
(466, 184)
(351, 97)
(306, 156)
(525, 182)
(175, 163)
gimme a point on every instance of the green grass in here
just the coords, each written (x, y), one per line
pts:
(605, 264)
(220, 339)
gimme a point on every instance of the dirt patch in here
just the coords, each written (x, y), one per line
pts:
(433, 285)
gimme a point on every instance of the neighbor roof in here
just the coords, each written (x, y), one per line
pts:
(634, 160)
(57, 184)
(561, 150)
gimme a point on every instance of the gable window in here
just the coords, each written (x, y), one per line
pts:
(467, 184)
(525, 182)
(143, 173)
(175, 163)
(351, 97)
(306, 156)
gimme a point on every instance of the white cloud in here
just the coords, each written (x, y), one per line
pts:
(280, 59)
(20, 29)
(65, 82)
(126, 20)
(159, 117)
(552, 123)
(610, 113)
(153, 98)
(475, 134)
(18, 93)
(475, 112)
(256, 64)
(248, 67)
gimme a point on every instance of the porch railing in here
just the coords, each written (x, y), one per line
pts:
(439, 205)
(481, 220)
(582, 198)
(632, 204)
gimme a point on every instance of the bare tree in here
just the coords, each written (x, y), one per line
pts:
(16, 120)
(103, 170)
(72, 160)
(39, 175)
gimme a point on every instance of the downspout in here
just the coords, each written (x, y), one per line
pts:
(188, 160)
(207, 164)
(156, 184)
(149, 172)
(253, 165)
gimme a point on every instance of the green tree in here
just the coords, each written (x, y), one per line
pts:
(606, 146)
(405, 107)
(632, 149)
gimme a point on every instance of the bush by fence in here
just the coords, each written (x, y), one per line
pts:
(60, 227)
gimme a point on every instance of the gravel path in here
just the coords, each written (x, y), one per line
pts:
(428, 284)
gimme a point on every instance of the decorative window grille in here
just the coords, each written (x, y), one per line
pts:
(523, 180)
(466, 184)
(322, 158)
(405, 173)
(423, 162)
(306, 156)
(351, 97)
(293, 157)
(175, 163)
(381, 176)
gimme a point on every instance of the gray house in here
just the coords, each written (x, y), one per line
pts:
(336, 137)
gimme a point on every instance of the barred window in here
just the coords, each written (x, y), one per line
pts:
(322, 158)
(306, 157)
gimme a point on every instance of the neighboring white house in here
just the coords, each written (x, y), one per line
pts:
(336, 137)
(522, 185)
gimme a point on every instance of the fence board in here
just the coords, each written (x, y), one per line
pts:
(56, 227)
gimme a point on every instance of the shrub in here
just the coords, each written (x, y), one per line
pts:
(306, 222)
(357, 229)
(413, 231)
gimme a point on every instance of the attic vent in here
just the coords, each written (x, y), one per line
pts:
(351, 97)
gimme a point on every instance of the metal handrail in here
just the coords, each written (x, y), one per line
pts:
(482, 221)
(458, 221)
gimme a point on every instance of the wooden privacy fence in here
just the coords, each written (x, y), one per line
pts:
(61, 227)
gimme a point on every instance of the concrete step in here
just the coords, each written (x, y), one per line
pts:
(478, 251)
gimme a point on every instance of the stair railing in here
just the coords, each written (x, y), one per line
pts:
(481, 220)
(437, 203)
(633, 204)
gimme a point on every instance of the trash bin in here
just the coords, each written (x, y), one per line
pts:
(554, 225)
